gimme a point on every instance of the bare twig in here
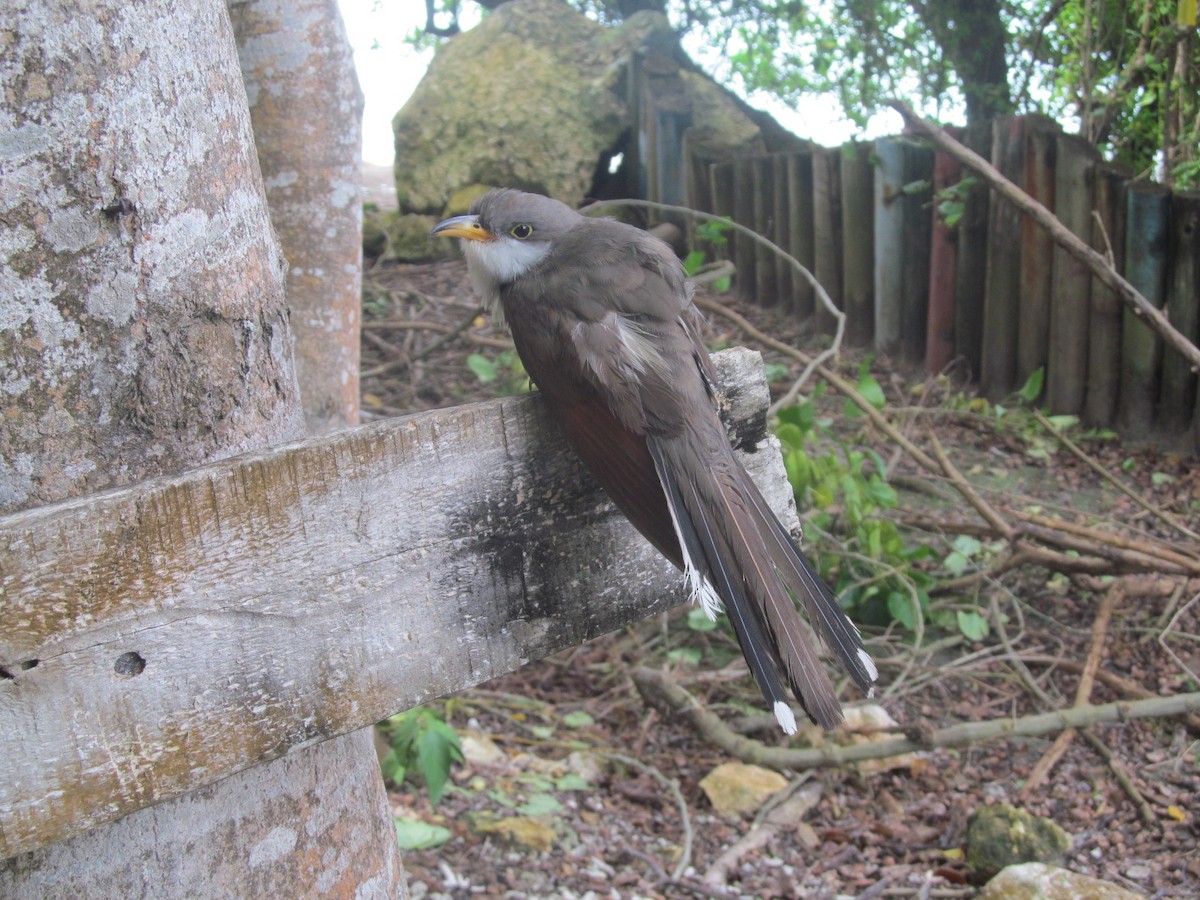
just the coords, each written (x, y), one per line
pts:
(1083, 692)
(685, 858)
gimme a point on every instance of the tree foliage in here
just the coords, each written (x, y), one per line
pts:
(1124, 75)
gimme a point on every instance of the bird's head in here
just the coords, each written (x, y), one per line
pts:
(507, 233)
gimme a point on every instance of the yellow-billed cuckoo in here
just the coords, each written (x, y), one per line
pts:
(603, 320)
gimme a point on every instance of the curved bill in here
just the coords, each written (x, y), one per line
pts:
(462, 227)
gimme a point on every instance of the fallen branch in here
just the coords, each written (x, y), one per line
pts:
(1083, 692)
(660, 690)
(1062, 235)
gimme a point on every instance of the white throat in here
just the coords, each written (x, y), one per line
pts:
(493, 263)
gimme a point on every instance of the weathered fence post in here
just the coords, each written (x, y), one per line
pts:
(858, 242)
(1146, 249)
(766, 281)
(784, 275)
(745, 249)
(1104, 338)
(800, 227)
(1178, 395)
(827, 230)
(903, 179)
(1002, 290)
(943, 267)
(1037, 249)
(970, 279)
(1066, 373)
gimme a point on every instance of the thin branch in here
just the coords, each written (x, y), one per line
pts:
(658, 688)
(685, 858)
(1083, 692)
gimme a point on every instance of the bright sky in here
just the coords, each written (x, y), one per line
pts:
(389, 69)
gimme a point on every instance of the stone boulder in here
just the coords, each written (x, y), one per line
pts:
(537, 97)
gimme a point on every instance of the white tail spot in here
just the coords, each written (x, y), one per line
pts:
(785, 717)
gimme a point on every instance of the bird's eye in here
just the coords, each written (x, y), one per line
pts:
(520, 232)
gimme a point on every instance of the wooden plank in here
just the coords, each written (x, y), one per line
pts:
(781, 222)
(158, 638)
(1178, 394)
(827, 230)
(1071, 285)
(1104, 337)
(889, 227)
(800, 227)
(858, 242)
(1147, 242)
(1001, 310)
(971, 274)
(745, 249)
(916, 238)
(903, 179)
(943, 266)
(766, 285)
(1037, 249)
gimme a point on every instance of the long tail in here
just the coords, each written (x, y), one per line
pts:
(735, 549)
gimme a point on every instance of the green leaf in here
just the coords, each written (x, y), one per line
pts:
(956, 563)
(688, 655)
(413, 834)
(693, 261)
(869, 388)
(540, 805)
(966, 545)
(436, 747)
(572, 781)
(578, 719)
(484, 369)
(698, 620)
(901, 609)
(1032, 388)
(1063, 422)
(973, 626)
(791, 436)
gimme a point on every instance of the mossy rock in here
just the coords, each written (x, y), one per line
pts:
(1002, 835)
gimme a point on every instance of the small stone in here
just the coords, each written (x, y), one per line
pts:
(479, 749)
(1038, 881)
(736, 789)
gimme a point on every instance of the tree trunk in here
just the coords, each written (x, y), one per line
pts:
(145, 331)
(974, 38)
(306, 108)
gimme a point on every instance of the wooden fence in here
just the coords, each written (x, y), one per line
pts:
(991, 290)
(160, 637)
